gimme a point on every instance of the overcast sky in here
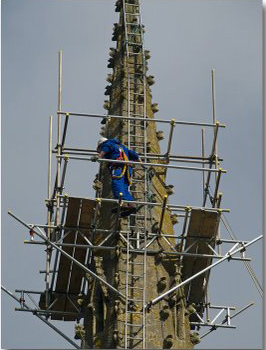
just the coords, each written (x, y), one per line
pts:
(187, 39)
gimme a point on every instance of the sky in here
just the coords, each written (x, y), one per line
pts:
(187, 39)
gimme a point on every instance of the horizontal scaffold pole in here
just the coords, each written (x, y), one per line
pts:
(221, 307)
(226, 257)
(146, 164)
(235, 314)
(41, 318)
(206, 324)
(84, 268)
(171, 157)
(140, 251)
(169, 206)
(181, 237)
(140, 119)
(184, 159)
(50, 312)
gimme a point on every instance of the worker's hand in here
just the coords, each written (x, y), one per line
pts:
(94, 158)
(145, 167)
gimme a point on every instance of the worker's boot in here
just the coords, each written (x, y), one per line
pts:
(122, 209)
(128, 211)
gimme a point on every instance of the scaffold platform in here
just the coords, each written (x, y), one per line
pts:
(79, 216)
(201, 235)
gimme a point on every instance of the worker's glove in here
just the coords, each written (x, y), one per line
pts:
(94, 158)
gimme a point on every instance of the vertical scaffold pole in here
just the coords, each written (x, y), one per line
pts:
(203, 155)
(50, 158)
(172, 125)
(59, 138)
(49, 214)
(169, 144)
(162, 214)
(211, 163)
(214, 115)
(60, 81)
(215, 147)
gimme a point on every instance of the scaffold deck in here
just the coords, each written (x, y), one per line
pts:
(79, 214)
(203, 224)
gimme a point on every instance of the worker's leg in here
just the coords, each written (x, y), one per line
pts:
(118, 187)
(126, 192)
(117, 183)
(121, 186)
(131, 207)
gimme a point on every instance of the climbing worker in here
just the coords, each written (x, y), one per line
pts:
(121, 173)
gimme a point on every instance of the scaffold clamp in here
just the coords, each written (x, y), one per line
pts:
(31, 234)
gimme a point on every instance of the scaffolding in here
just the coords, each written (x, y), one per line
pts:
(72, 222)
(73, 232)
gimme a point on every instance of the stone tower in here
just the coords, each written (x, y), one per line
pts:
(111, 320)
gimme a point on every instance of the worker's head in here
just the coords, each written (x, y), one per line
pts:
(100, 142)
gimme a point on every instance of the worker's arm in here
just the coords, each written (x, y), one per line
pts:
(101, 154)
(97, 156)
(132, 155)
(135, 157)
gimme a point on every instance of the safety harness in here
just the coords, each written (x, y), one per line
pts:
(126, 167)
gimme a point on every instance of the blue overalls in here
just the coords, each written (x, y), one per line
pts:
(113, 149)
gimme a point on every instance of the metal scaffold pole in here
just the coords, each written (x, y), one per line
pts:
(226, 257)
(41, 318)
(109, 260)
(84, 268)
(59, 139)
(49, 212)
(203, 156)
(152, 120)
(146, 164)
(217, 176)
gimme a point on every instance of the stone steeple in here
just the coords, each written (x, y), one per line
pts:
(111, 320)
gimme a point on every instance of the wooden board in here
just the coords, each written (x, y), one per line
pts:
(203, 224)
(79, 214)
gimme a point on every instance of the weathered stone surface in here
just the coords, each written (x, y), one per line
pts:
(167, 324)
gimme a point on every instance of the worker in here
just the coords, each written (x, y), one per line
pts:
(121, 173)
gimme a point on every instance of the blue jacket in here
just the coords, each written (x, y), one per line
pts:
(111, 150)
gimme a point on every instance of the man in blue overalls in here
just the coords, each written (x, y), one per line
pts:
(121, 173)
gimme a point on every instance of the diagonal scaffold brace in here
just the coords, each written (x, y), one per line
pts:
(215, 327)
(41, 318)
(84, 268)
(227, 256)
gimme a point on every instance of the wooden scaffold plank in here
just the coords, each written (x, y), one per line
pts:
(79, 214)
(202, 224)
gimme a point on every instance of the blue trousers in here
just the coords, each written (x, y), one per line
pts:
(121, 186)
